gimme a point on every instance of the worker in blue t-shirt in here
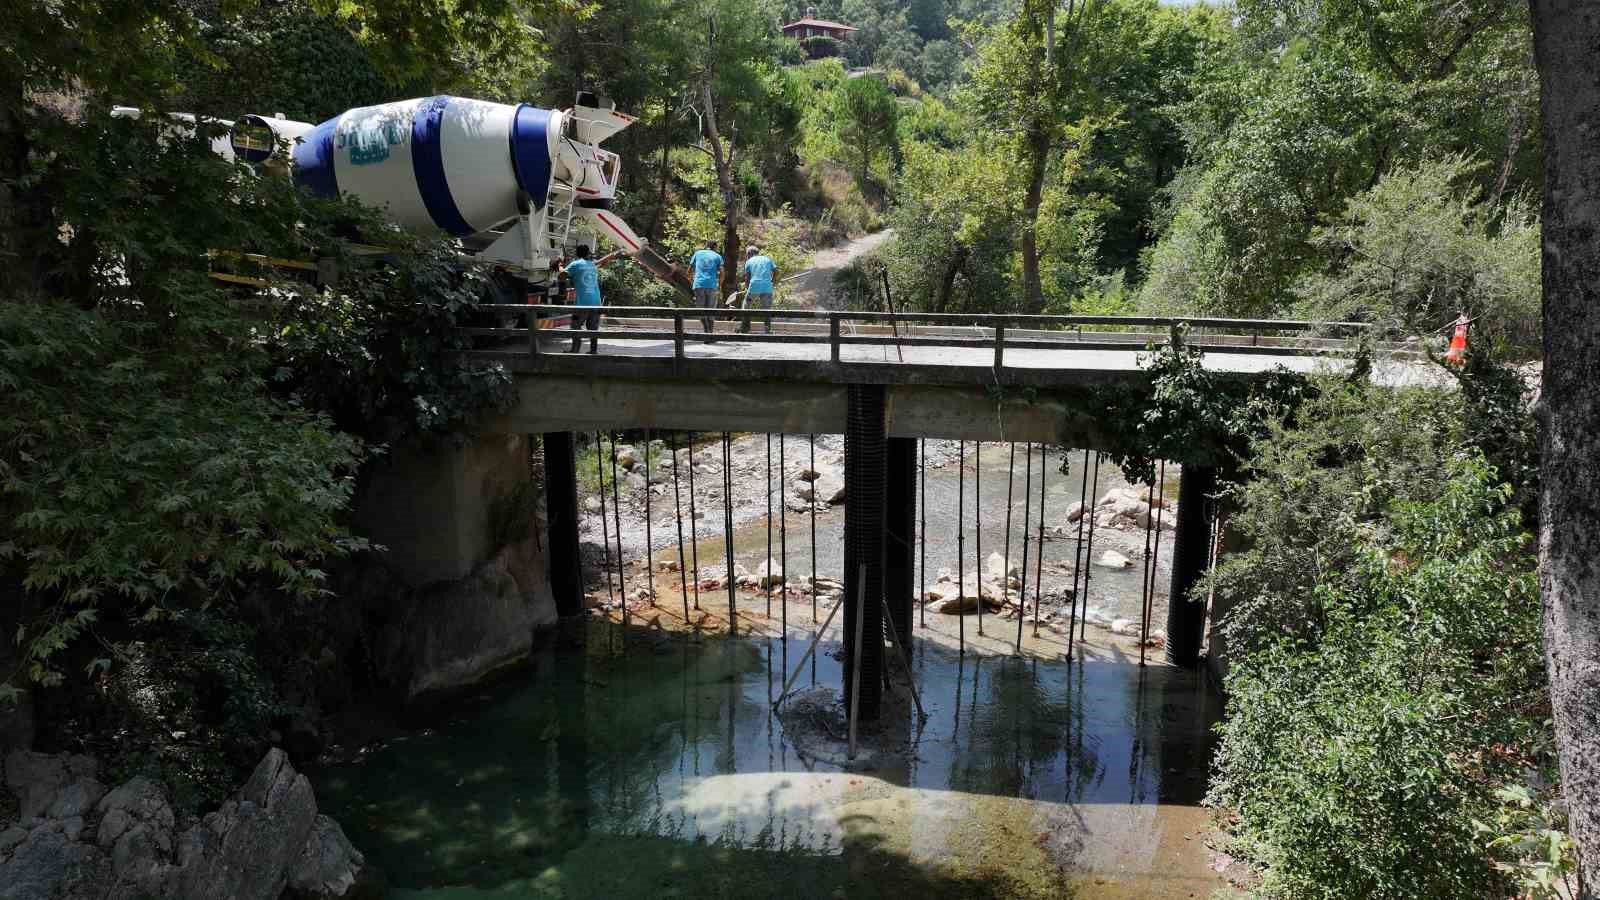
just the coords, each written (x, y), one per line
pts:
(584, 276)
(707, 266)
(758, 271)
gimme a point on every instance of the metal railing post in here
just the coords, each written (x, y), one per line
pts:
(833, 335)
(677, 334)
(533, 332)
(999, 345)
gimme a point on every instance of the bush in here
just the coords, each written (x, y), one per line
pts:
(1387, 677)
(1419, 248)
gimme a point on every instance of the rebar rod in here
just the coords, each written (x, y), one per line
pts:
(766, 579)
(677, 513)
(905, 662)
(783, 541)
(1005, 576)
(961, 545)
(855, 672)
(727, 528)
(977, 523)
(694, 527)
(616, 515)
(1088, 569)
(922, 533)
(1144, 568)
(605, 537)
(1084, 511)
(1155, 553)
(1027, 519)
(813, 471)
(1038, 563)
(809, 654)
(649, 543)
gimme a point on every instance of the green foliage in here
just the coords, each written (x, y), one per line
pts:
(820, 46)
(1313, 103)
(1418, 249)
(867, 114)
(1356, 759)
(281, 59)
(1529, 844)
(1186, 412)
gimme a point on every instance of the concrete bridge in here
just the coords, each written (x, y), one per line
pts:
(882, 381)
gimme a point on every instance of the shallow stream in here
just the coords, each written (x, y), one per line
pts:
(628, 763)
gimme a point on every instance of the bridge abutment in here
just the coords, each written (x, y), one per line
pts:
(1191, 557)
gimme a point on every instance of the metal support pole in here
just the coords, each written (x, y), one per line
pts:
(1155, 553)
(605, 537)
(1190, 554)
(677, 513)
(561, 509)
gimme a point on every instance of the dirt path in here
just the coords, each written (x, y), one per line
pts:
(811, 290)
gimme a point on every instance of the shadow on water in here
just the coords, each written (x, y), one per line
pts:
(641, 765)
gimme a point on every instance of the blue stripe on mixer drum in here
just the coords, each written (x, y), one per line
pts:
(428, 163)
(530, 152)
(313, 160)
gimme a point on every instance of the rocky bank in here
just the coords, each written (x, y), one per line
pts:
(72, 837)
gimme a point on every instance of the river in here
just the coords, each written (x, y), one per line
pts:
(629, 763)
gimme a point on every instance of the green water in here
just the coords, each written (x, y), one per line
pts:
(642, 765)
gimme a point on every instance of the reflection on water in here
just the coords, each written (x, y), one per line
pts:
(646, 766)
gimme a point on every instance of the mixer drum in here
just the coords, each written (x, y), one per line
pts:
(449, 164)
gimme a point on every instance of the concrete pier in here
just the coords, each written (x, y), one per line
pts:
(865, 473)
(561, 501)
(1191, 557)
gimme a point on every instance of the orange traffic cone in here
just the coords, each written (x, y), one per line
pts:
(1457, 353)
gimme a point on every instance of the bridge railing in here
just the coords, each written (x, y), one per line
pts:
(910, 330)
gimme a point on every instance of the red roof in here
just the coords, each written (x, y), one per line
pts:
(817, 23)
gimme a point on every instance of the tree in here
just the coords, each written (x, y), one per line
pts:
(867, 116)
(1565, 35)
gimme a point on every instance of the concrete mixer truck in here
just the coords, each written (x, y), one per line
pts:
(515, 184)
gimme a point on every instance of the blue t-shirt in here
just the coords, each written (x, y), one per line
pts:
(706, 263)
(585, 281)
(760, 269)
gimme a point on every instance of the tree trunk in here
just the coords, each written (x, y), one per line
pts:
(1566, 33)
(948, 282)
(1039, 157)
(730, 198)
(666, 169)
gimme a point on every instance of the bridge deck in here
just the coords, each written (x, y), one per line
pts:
(940, 380)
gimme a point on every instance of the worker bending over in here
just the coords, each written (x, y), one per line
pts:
(758, 271)
(707, 265)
